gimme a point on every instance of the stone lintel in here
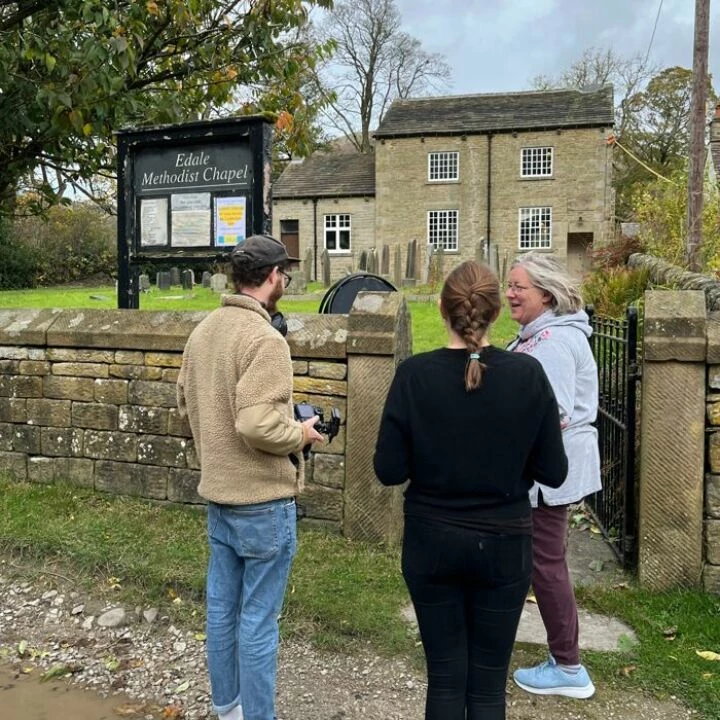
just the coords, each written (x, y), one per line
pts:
(675, 326)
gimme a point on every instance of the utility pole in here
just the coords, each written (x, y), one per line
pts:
(697, 135)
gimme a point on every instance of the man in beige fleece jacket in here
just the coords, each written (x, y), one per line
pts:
(235, 386)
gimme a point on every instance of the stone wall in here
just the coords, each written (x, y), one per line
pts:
(89, 397)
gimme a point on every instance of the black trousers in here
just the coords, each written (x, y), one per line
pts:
(468, 589)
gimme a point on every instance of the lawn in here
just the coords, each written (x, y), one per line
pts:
(427, 327)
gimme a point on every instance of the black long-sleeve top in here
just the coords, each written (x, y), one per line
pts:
(470, 457)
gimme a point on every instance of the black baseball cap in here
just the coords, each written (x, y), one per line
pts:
(259, 251)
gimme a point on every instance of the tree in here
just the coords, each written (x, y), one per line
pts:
(598, 67)
(374, 63)
(74, 71)
(656, 132)
(652, 109)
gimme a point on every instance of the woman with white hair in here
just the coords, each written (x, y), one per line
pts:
(554, 329)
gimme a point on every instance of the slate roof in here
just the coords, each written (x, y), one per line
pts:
(499, 112)
(327, 175)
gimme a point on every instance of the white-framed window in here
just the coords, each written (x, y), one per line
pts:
(535, 227)
(442, 166)
(536, 162)
(443, 229)
(337, 233)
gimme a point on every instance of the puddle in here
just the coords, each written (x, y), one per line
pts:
(24, 697)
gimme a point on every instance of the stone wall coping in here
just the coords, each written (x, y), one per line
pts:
(373, 323)
(311, 336)
(675, 325)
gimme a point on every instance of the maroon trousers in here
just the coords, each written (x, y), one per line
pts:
(551, 582)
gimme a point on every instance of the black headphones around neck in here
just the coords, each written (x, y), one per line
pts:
(277, 319)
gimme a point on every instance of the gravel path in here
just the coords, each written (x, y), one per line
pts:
(160, 668)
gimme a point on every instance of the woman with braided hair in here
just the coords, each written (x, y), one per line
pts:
(469, 426)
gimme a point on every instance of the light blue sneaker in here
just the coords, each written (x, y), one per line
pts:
(549, 679)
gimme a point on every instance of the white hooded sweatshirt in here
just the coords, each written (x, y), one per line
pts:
(560, 343)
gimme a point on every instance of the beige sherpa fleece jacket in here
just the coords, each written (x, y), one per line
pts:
(235, 386)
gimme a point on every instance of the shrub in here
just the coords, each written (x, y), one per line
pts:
(615, 253)
(71, 243)
(661, 210)
(610, 291)
(18, 268)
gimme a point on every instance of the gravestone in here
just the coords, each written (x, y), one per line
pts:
(397, 265)
(187, 277)
(297, 285)
(385, 260)
(163, 280)
(218, 282)
(325, 264)
(436, 267)
(174, 276)
(206, 279)
(410, 262)
(363, 262)
(372, 261)
(308, 265)
(144, 282)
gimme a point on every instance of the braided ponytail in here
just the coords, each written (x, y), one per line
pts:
(470, 300)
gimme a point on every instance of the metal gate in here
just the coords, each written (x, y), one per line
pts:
(614, 344)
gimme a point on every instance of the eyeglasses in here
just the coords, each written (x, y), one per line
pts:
(287, 278)
(517, 288)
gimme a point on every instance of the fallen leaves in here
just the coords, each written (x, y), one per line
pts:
(708, 655)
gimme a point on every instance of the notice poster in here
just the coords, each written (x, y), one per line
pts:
(153, 221)
(190, 218)
(230, 221)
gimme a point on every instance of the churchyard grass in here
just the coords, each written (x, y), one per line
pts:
(427, 327)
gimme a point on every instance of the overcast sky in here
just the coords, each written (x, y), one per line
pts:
(500, 45)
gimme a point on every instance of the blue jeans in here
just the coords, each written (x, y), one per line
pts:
(251, 550)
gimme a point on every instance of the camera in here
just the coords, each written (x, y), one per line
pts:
(305, 411)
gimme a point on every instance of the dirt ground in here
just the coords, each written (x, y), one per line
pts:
(152, 670)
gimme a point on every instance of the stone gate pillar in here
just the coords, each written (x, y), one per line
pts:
(672, 452)
(379, 336)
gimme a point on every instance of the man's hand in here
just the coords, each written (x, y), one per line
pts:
(311, 434)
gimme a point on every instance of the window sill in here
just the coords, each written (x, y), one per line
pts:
(535, 178)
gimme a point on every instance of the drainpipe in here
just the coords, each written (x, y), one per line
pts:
(489, 197)
(315, 240)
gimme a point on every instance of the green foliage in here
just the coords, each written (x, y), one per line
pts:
(672, 627)
(18, 267)
(656, 131)
(611, 290)
(71, 242)
(74, 71)
(661, 208)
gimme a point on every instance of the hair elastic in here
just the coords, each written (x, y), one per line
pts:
(474, 356)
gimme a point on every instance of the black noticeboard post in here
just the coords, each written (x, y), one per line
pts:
(189, 194)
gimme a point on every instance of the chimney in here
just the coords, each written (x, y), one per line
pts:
(715, 126)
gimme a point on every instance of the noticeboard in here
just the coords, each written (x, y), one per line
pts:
(189, 193)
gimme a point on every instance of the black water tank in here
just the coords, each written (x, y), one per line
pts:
(341, 295)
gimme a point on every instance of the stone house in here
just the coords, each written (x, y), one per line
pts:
(488, 175)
